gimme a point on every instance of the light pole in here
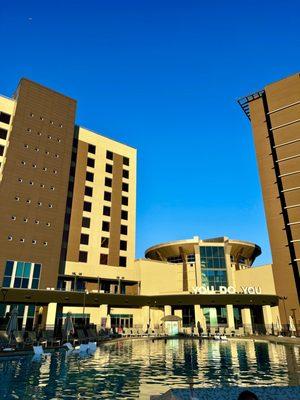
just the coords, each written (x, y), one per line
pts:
(119, 283)
(98, 280)
(83, 309)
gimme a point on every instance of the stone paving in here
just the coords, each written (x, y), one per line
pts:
(232, 393)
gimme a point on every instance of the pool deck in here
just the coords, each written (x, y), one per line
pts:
(273, 339)
(232, 393)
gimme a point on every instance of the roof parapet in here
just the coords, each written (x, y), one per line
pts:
(244, 101)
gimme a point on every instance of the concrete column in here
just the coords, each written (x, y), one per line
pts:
(178, 313)
(168, 310)
(267, 313)
(246, 318)
(51, 316)
(199, 317)
(230, 316)
(96, 313)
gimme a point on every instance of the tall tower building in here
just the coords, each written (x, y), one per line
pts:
(275, 117)
(67, 195)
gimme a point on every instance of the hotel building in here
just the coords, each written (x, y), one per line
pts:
(275, 115)
(67, 235)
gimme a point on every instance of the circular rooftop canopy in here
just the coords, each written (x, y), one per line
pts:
(167, 250)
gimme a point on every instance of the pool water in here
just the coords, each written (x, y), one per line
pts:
(136, 369)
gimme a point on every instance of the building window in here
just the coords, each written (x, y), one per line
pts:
(22, 275)
(108, 182)
(89, 176)
(105, 226)
(8, 273)
(108, 168)
(122, 261)
(125, 187)
(105, 242)
(124, 214)
(124, 201)
(90, 162)
(213, 266)
(84, 238)
(88, 191)
(86, 222)
(83, 255)
(123, 245)
(92, 149)
(124, 230)
(126, 161)
(3, 133)
(125, 173)
(106, 211)
(103, 259)
(107, 196)
(87, 206)
(109, 155)
(5, 118)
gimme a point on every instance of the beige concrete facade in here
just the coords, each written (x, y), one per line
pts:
(275, 114)
(68, 220)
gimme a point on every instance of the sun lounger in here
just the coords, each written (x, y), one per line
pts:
(92, 346)
(68, 346)
(49, 336)
(39, 351)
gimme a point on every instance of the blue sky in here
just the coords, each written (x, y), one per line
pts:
(164, 77)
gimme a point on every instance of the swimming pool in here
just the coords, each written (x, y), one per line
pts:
(136, 369)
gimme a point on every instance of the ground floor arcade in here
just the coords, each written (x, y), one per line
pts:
(47, 309)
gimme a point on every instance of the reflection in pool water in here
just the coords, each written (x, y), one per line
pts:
(140, 368)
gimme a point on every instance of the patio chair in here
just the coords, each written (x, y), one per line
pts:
(51, 340)
(81, 336)
(212, 332)
(92, 334)
(19, 340)
(4, 340)
(35, 341)
(229, 332)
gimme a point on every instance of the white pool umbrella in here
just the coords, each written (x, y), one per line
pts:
(291, 324)
(12, 325)
(68, 325)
